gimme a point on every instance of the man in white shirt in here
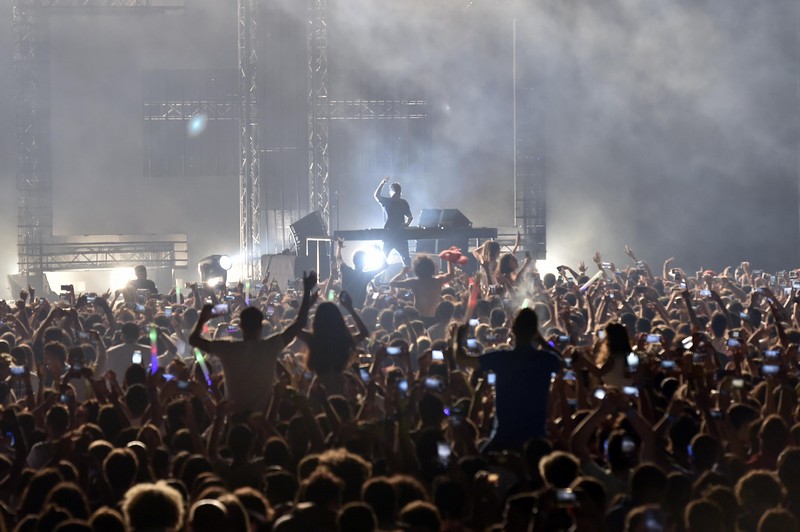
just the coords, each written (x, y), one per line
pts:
(249, 364)
(120, 357)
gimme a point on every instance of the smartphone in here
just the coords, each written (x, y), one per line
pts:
(64, 398)
(474, 322)
(90, 299)
(771, 353)
(331, 295)
(136, 357)
(364, 375)
(796, 285)
(630, 390)
(17, 370)
(628, 445)
(138, 307)
(10, 435)
(733, 342)
(472, 343)
(83, 335)
(599, 394)
(168, 312)
(393, 351)
(705, 293)
(564, 338)
(716, 413)
(653, 339)
(66, 287)
(606, 265)
(737, 383)
(437, 355)
(433, 383)
(633, 361)
(402, 385)
(232, 329)
(219, 309)
(168, 376)
(698, 358)
(493, 479)
(687, 342)
(770, 369)
(270, 310)
(744, 316)
(376, 295)
(183, 385)
(77, 366)
(667, 364)
(601, 334)
(565, 498)
(734, 334)
(444, 451)
(491, 378)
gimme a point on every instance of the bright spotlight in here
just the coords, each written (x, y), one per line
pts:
(373, 258)
(213, 268)
(197, 124)
(120, 277)
(225, 262)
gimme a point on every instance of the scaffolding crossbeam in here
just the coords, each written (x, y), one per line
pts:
(378, 109)
(155, 111)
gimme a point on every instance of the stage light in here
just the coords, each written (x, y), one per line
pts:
(197, 124)
(120, 277)
(373, 258)
(214, 269)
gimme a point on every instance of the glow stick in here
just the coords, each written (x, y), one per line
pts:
(592, 280)
(247, 293)
(202, 361)
(153, 350)
(177, 292)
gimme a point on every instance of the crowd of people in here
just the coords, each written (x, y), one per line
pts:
(604, 399)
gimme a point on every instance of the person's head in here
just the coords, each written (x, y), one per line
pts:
(130, 332)
(396, 189)
(759, 491)
(421, 516)
(774, 435)
(208, 515)
(350, 468)
(525, 326)
(332, 343)
(357, 517)
(493, 248)
(508, 264)
(156, 506)
(108, 520)
(616, 342)
(379, 494)
(56, 422)
(706, 451)
(647, 484)
(140, 271)
(424, 267)
(120, 468)
(359, 260)
(55, 355)
(559, 469)
(240, 439)
(321, 488)
(703, 515)
(719, 324)
(789, 470)
(444, 311)
(777, 519)
(69, 496)
(250, 321)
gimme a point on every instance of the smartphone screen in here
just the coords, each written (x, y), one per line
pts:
(491, 378)
(394, 351)
(599, 394)
(136, 357)
(219, 309)
(653, 338)
(472, 343)
(630, 390)
(437, 355)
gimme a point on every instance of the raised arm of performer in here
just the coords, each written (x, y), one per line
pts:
(378, 190)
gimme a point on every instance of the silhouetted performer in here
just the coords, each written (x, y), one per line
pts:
(398, 217)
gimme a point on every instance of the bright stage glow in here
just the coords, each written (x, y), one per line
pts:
(119, 277)
(197, 124)
(373, 258)
(213, 281)
(225, 262)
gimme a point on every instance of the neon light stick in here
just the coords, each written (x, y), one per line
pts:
(177, 293)
(202, 361)
(153, 350)
(592, 280)
(247, 293)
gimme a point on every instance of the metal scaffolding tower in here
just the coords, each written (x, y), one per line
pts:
(530, 177)
(35, 241)
(249, 179)
(319, 111)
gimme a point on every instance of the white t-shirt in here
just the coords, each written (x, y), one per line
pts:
(120, 357)
(249, 368)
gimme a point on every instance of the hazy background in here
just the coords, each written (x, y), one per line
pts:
(671, 126)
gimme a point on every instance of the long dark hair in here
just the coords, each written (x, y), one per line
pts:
(331, 344)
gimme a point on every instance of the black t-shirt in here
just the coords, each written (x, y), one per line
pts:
(355, 283)
(522, 391)
(396, 210)
(143, 284)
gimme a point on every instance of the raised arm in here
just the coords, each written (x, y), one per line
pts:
(309, 282)
(378, 190)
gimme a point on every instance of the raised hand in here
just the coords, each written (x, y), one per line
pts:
(345, 300)
(309, 281)
(597, 258)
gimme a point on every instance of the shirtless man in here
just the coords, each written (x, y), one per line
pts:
(427, 286)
